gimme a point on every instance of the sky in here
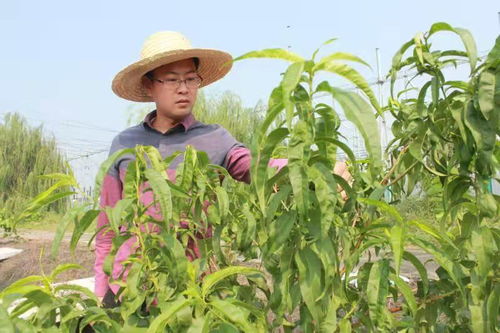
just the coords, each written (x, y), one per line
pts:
(58, 58)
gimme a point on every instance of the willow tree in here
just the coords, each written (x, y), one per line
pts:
(26, 153)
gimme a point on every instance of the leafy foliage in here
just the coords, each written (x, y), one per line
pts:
(298, 251)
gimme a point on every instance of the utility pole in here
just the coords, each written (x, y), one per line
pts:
(382, 123)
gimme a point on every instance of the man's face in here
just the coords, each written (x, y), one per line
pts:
(176, 102)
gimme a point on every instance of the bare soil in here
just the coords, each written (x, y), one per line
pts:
(36, 257)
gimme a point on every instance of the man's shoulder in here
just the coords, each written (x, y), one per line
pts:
(139, 128)
(128, 137)
(201, 126)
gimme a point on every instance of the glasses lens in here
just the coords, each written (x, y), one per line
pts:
(193, 82)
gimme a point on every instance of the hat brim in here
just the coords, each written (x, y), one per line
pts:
(213, 66)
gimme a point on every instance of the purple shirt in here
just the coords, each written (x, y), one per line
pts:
(221, 147)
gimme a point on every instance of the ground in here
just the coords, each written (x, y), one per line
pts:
(36, 257)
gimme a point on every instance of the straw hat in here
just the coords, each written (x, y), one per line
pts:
(162, 48)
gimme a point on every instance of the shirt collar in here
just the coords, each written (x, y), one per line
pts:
(187, 122)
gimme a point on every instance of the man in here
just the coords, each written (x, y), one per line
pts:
(169, 74)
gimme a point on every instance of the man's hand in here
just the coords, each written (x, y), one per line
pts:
(342, 170)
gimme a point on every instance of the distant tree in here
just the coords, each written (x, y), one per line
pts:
(25, 154)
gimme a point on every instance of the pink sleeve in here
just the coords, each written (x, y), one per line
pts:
(239, 161)
(238, 164)
(111, 193)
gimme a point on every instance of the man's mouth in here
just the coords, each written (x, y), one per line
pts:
(182, 102)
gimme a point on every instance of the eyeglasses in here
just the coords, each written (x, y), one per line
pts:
(191, 82)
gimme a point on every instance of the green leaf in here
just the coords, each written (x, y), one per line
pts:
(396, 62)
(297, 157)
(271, 54)
(155, 158)
(225, 328)
(331, 40)
(280, 229)
(115, 214)
(341, 56)
(106, 166)
(12, 288)
(397, 243)
(421, 98)
(465, 36)
(73, 287)
(405, 289)
(330, 323)
(248, 235)
(493, 306)
(6, 325)
(161, 192)
(352, 75)
(360, 113)
(377, 290)
(477, 320)
(235, 314)
(483, 249)
(276, 200)
(159, 323)
(62, 226)
(422, 271)
(384, 207)
(260, 161)
(81, 226)
(431, 230)
(309, 266)
(444, 259)
(63, 268)
(290, 81)
(187, 168)
(44, 199)
(222, 201)
(486, 93)
(345, 326)
(212, 279)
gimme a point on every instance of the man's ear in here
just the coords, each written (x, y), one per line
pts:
(147, 84)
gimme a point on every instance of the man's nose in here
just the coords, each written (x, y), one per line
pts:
(183, 88)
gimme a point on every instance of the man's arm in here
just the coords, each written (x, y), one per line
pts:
(239, 161)
(238, 164)
(111, 193)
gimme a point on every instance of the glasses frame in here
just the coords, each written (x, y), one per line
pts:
(178, 82)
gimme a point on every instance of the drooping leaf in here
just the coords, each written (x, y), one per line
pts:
(309, 266)
(422, 271)
(161, 191)
(486, 93)
(360, 113)
(81, 226)
(236, 314)
(271, 54)
(159, 323)
(465, 36)
(397, 243)
(341, 56)
(405, 289)
(212, 279)
(290, 81)
(377, 290)
(63, 225)
(352, 75)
